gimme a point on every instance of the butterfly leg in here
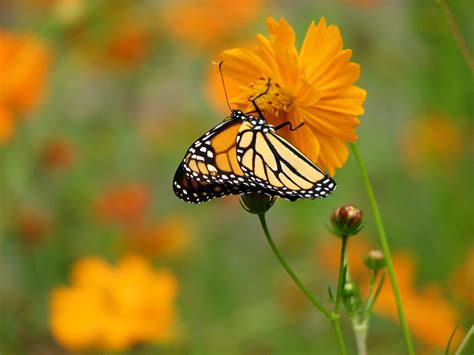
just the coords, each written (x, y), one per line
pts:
(254, 103)
(288, 123)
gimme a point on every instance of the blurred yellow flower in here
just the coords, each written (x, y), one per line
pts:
(169, 237)
(113, 308)
(125, 203)
(207, 23)
(435, 139)
(24, 63)
(313, 86)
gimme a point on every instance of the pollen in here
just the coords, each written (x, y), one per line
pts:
(274, 101)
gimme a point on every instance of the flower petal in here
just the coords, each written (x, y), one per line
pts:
(282, 32)
(320, 46)
(243, 65)
(330, 123)
(302, 138)
(333, 153)
(348, 102)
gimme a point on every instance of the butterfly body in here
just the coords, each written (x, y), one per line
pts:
(245, 154)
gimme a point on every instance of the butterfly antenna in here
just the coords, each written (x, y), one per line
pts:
(223, 85)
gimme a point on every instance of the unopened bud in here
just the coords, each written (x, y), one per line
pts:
(375, 260)
(347, 220)
(257, 203)
(350, 289)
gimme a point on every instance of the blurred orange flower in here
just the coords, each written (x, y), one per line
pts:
(462, 281)
(435, 139)
(113, 308)
(128, 44)
(123, 39)
(24, 63)
(123, 203)
(364, 3)
(431, 318)
(58, 154)
(206, 23)
(313, 87)
(32, 225)
(327, 255)
(169, 237)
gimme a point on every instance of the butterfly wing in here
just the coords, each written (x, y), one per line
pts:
(277, 166)
(213, 158)
(193, 191)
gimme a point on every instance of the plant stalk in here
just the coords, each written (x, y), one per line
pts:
(449, 17)
(386, 251)
(333, 318)
(342, 273)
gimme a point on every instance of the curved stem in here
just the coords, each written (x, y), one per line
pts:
(333, 318)
(386, 251)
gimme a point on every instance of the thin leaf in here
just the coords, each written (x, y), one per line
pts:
(446, 352)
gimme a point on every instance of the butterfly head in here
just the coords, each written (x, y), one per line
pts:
(238, 115)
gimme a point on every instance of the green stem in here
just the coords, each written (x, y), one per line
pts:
(342, 273)
(336, 326)
(448, 15)
(386, 251)
(373, 277)
(333, 318)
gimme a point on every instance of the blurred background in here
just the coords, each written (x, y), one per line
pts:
(99, 101)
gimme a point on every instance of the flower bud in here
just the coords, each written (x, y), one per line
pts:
(347, 220)
(350, 289)
(375, 260)
(257, 203)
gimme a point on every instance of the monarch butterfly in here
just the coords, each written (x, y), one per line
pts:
(244, 154)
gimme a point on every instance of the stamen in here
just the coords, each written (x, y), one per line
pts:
(274, 101)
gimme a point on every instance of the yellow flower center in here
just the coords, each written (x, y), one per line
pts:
(274, 101)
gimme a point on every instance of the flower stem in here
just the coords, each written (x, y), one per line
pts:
(360, 331)
(342, 273)
(448, 15)
(333, 318)
(386, 251)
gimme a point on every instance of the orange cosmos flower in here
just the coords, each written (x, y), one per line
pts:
(24, 63)
(32, 225)
(166, 238)
(123, 203)
(58, 154)
(113, 308)
(203, 23)
(435, 140)
(327, 256)
(314, 86)
(431, 317)
(462, 281)
(129, 44)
